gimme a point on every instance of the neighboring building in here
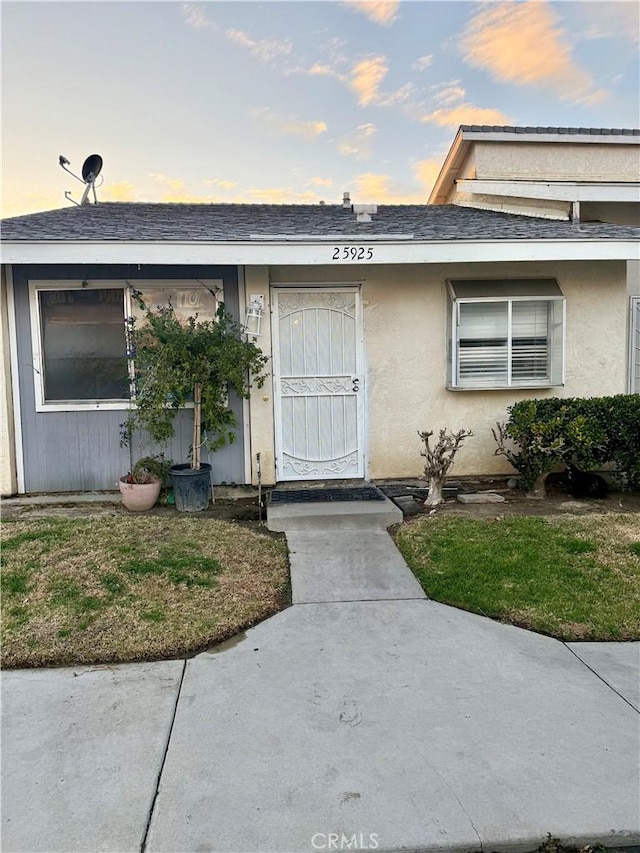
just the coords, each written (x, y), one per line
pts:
(378, 324)
(579, 173)
(587, 174)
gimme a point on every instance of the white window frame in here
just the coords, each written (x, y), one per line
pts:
(452, 357)
(36, 287)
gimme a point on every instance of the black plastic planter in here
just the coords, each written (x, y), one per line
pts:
(191, 488)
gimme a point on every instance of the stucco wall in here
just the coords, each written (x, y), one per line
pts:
(8, 484)
(557, 162)
(405, 357)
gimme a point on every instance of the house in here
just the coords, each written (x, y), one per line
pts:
(378, 320)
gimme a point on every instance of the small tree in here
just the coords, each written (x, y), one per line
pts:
(542, 434)
(438, 460)
(538, 453)
(196, 361)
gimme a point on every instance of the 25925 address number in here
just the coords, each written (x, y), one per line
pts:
(352, 253)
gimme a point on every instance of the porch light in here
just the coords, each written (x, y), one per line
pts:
(253, 318)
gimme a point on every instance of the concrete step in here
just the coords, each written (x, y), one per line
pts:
(312, 514)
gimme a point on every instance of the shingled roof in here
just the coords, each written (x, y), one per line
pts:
(582, 131)
(222, 223)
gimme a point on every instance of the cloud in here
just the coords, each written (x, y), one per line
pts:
(280, 195)
(612, 20)
(466, 114)
(21, 203)
(371, 188)
(427, 171)
(319, 182)
(289, 125)
(319, 69)
(119, 191)
(363, 78)
(267, 50)
(382, 12)
(194, 16)
(448, 94)
(366, 77)
(422, 62)
(397, 97)
(367, 129)
(521, 42)
(174, 184)
(359, 143)
(217, 182)
(179, 197)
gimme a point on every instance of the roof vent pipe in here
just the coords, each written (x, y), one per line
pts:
(364, 212)
(346, 200)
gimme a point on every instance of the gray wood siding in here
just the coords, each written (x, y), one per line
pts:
(80, 451)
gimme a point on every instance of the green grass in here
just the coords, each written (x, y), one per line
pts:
(115, 588)
(572, 578)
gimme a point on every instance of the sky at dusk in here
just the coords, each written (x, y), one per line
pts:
(296, 101)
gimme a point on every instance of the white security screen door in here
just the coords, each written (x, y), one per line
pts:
(318, 389)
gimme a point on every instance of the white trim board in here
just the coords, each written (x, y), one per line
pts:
(575, 138)
(552, 190)
(246, 412)
(288, 253)
(15, 382)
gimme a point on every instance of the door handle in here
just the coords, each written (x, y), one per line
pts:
(356, 384)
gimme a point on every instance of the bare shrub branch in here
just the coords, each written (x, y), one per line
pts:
(438, 460)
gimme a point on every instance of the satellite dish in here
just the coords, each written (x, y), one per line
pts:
(91, 168)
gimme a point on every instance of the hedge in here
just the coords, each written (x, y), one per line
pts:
(589, 432)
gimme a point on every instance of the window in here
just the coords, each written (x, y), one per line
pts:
(188, 300)
(84, 355)
(79, 341)
(506, 334)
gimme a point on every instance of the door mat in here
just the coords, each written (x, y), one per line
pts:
(360, 493)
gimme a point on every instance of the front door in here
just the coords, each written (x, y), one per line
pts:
(318, 384)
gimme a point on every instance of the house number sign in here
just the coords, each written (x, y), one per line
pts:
(352, 253)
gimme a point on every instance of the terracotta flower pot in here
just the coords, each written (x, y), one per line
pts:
(139, 497)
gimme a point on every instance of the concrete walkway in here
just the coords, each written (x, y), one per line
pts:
(364, 712)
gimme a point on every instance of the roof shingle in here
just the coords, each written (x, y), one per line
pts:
(583, 131)
(147, 222)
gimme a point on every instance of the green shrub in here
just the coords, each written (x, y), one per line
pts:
(586, 431)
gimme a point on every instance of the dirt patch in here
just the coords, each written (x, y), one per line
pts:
(245, 510)
(557, 502)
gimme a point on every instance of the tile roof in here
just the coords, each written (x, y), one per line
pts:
(583, 131)
(146, 222)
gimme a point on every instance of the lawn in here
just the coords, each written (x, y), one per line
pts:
(573, 578)
(124, 588)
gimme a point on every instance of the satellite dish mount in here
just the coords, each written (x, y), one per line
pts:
(91, 168)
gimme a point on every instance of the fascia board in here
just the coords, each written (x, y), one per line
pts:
(553, 191)
(594, 139)
(295, 254)
(449, 170)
